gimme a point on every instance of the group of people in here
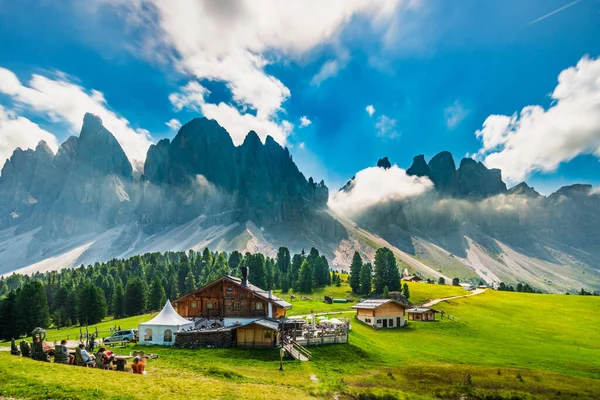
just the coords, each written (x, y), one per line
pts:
(102, 358)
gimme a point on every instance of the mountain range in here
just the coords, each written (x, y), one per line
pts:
(86, 203)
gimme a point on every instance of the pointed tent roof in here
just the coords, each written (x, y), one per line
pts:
(168, 317)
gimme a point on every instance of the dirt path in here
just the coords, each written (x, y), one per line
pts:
(435, 301)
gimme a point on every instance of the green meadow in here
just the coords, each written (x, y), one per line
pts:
(501, 346)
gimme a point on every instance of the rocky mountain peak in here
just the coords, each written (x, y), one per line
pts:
(384, 163)
(477, 181)
(98, 150)
(419, 167)
(443, 172)
(523, 189)
(42, 148)
(252, 140)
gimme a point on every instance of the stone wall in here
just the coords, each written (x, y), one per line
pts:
(203, 339)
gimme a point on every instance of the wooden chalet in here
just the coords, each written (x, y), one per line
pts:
(381, 313)
(233, 300)
(421, 314)
(412, 278)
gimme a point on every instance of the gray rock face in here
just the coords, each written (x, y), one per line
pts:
(260, 180)
(523, 189)
(443, 173)
(419, 167)
(384, 163)
(23, 180)
(89, 186)
(474, 180)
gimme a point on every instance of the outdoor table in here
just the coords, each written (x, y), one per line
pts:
(121, 361)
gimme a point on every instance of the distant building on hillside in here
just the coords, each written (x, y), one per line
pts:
(421, 314)
(381, 313)
(412, 278)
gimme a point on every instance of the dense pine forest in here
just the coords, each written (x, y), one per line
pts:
(120, 288)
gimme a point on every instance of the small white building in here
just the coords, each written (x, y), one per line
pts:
(161, 329)
(381, 313)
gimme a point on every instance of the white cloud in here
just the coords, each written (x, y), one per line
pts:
(62, 100)
(455, 114)
(386, 127)
(173, 124)
(370, 110)
(237, 124)
(302, 145)
(539, 139)
(304, 121)
(375, 185)
(17, 131)
(233, 41)
(328, 70)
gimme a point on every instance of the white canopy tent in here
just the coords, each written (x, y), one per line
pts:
(161, 329)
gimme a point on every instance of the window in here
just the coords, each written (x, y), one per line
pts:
(229, 288)
(168, 336)
(378, 321)
(259, 306)
(391, 322)
(148, 334)
(268, 334)
(367, 320)
(194, 304)
(209, 305)
(237, 306)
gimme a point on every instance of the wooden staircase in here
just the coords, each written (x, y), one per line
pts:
(296, 350)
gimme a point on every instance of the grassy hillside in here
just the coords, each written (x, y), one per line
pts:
(503, 344)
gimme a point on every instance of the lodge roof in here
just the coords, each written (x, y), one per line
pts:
(420, 310)
(412, 278)
(263, 294)
(371, 304)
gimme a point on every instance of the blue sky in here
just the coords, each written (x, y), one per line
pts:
(433, 71)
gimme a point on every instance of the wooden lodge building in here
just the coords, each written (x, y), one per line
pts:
(231, 312)
(231, 300)
(381, 313)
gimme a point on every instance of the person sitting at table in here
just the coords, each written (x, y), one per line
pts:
(65, 352)
(138, 366)
(86, 358)
(104, 358)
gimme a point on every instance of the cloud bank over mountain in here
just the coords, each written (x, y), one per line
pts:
(375, 185)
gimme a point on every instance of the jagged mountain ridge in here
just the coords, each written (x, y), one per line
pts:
(470, 221)
(85, 204)
(245, 197)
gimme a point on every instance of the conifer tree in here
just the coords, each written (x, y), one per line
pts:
(283, 259)
(234, 262)
(32, 308)
(158, 298)
(305, 277)
(269, 274)
(118, 301)
(136, 297)
(405, 291)
(355, 268)
(366, 273)
(256, 266)
(190, 283)
(386, 271)
(9, 316)
(91, 305)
